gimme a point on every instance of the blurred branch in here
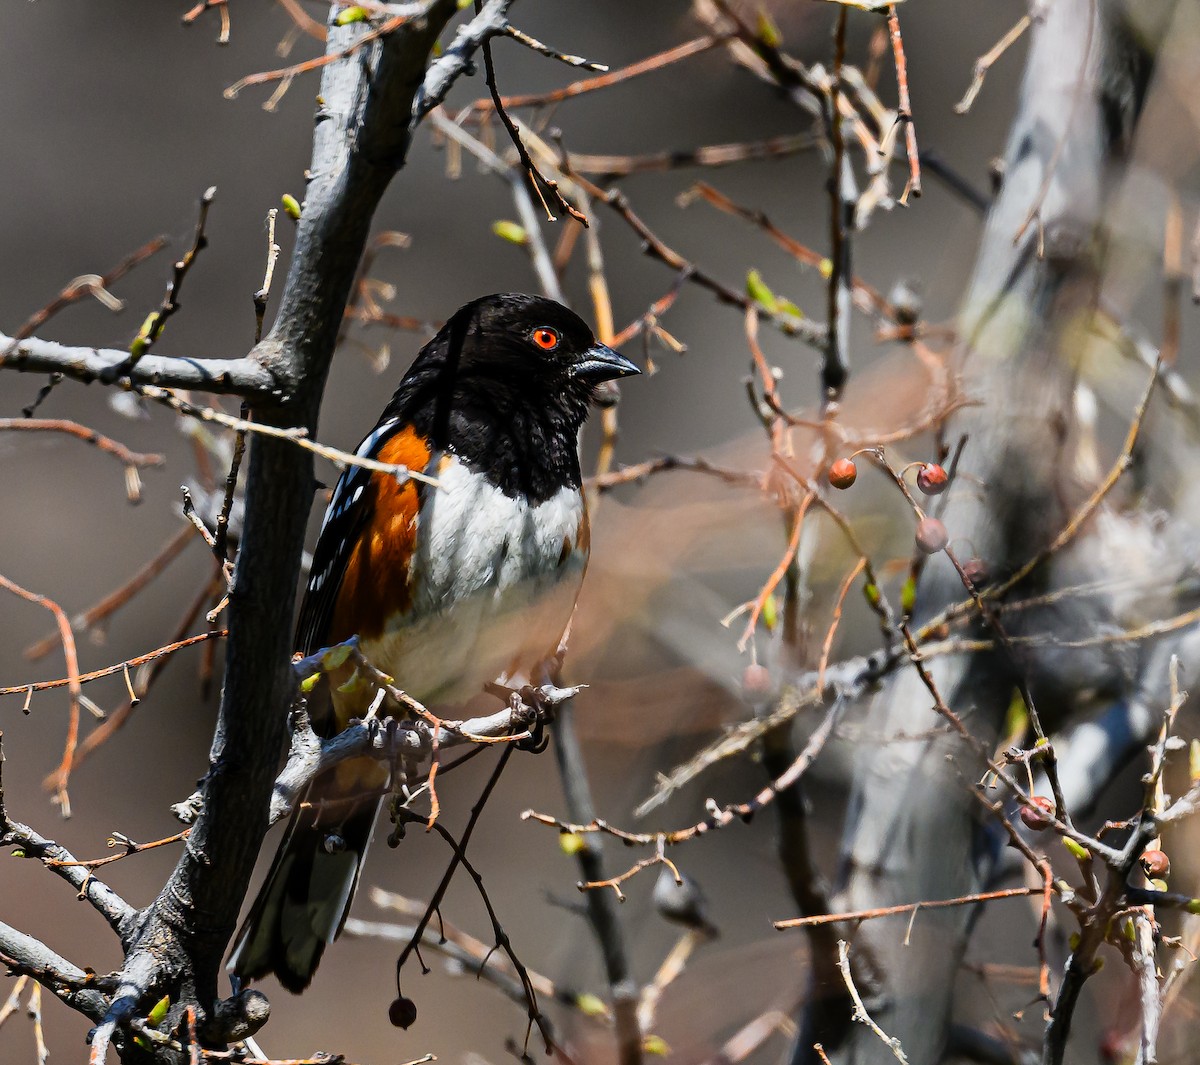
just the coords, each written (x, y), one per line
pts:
(601, 905)
(88, 285)
(82, 432)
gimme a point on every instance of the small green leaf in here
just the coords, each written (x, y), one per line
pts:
(871, 591)
(158, 1013)
(1016, 720)
(788, 307)
(908, 596)
(826, 268)
(355, 683)
(1128, 931)
(354, 13)
(308, 683)
(591, 1005)
(756, 289)
(335, 657)
(511, 231)
(1078, 850)
(291, 206)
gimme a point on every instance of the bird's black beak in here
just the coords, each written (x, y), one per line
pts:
(601, 363)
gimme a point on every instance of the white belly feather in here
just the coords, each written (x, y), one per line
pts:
(492, 588)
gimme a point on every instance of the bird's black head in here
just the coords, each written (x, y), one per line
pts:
(507, 383)
(532, 340)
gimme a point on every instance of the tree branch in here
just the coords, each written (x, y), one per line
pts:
(237, 377)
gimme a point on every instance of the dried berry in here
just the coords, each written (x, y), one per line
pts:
(1155, 864)
(843, 473)
(1038, 815)
(402, 1012)
(977, 572)
(932, 479)
(931, 536)
(756, 679)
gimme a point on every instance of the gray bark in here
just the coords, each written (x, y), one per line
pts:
(914, 831)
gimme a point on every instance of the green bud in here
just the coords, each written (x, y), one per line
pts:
(1193, 906)
(908, 596)
(767, 31)
(756, 289)
(656, 1045)
(511, 231)
(291, 206)
(591, 1005)
(308, 683)
(350, 14)
(1077, 849)
(571, 843)
(770, 612)
(871, 591)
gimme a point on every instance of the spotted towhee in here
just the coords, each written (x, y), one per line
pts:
(447, 587)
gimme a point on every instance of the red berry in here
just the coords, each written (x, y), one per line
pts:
(402, 1012)
(1155, 864)
(1040, 814)
(932, 479)
(843, 473)
(931, 536)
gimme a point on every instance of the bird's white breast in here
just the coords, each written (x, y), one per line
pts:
(493, 583)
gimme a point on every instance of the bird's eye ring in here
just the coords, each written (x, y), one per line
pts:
(545, 338)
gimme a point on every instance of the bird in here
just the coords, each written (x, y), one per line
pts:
(447, 586)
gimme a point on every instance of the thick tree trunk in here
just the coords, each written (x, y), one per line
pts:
(914, 830)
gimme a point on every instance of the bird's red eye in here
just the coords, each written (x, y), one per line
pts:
(545, 338)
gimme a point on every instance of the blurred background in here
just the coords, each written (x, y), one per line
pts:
(115, 122)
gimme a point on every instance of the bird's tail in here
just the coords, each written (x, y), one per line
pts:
(305, 900)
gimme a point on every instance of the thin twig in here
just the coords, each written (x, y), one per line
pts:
(108, 671)
(984, 63)
(73, 682)
(908, 907)
(904, 114)
(85, 433)
(860, 1011)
